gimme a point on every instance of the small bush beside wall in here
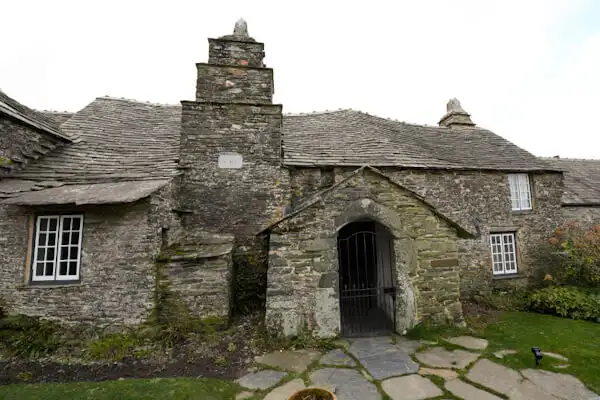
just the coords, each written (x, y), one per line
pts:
(566, 301)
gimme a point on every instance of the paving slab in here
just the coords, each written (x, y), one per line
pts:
(284, 391)
(442, 373)
(440, 357)
(468, 342)
(555, 355)
(562, 386)
(294, 361)
(410, 387)
(349, 384)
(505, 352)
(527, 390)
(497, 377)
(406, 345)
(468, 392)
(338, 358)
(261, 379)
(382, 358)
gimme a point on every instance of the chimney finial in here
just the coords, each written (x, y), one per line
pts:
(241, 28)
(455, 115)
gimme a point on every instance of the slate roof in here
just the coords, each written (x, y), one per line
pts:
(59, 116)
(95, 193)
(115, 140)
(16, 110)
(353, 138)
(581, 180)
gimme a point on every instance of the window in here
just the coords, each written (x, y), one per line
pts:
(520, 191)
(504, 253)
(57, 251)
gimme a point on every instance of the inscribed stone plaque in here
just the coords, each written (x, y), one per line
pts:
(230, 160)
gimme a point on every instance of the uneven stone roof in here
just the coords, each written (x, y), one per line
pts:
(13, 109)
(582, 180)
(116, 140)
(354, 138)
(59, 116)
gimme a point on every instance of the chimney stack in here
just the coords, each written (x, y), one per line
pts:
(455, 116)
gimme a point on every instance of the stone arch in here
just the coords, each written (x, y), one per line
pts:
(403, 253)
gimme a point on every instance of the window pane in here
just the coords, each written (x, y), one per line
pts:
(63, 268)
(41, 254)
(74, 237)
(43, 224)
(39, 269)
(64, 252)
(74, 253)
(66, 224)
(50, 254)
(42, 239)
(53, 224)
(51, 239)
(73, 268)
(76, 224)
(49, 271)
(65, 238)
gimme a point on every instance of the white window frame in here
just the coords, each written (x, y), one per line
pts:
(504, 253)
(520, 192)
(57, 247)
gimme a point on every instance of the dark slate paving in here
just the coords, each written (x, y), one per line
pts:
(382, 358)
(348, 383)
(338, 358)
(261, 380)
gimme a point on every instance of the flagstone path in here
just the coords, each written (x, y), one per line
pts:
(368, 368)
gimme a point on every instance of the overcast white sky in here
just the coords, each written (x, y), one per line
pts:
(527, 69)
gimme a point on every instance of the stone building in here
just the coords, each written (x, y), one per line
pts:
(366, 225)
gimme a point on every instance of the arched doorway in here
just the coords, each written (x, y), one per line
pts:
(367, 285)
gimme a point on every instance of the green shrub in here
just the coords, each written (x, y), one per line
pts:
(24, 336)
(567, 302)
(115, 347)
(579, 249)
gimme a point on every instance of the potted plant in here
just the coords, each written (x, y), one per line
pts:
(313, 394)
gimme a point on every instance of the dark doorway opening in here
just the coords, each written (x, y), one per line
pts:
(367, 289)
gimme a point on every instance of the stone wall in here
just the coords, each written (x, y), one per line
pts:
(20, 144)
(303, 288)
(231, 200)
(236, 83)
(116, 285)
(199, 268)
(483, 198)
(584, 214)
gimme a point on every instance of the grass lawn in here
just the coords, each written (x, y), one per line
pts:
(577, 340)
(128, 389)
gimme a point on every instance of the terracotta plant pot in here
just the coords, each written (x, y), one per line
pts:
(313, 394)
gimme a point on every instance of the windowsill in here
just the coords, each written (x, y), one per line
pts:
(518, 212)
(508, 276)
(50, 285)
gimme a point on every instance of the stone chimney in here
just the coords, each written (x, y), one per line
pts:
(455, 116)
(235, 71)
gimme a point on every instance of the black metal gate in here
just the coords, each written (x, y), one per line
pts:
(367, 291)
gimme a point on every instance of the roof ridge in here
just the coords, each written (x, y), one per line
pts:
(571, 159)
(323, 112)
(136, 101)
(317, 112)
(55, 111)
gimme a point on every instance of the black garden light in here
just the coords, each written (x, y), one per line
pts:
(537, 353)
